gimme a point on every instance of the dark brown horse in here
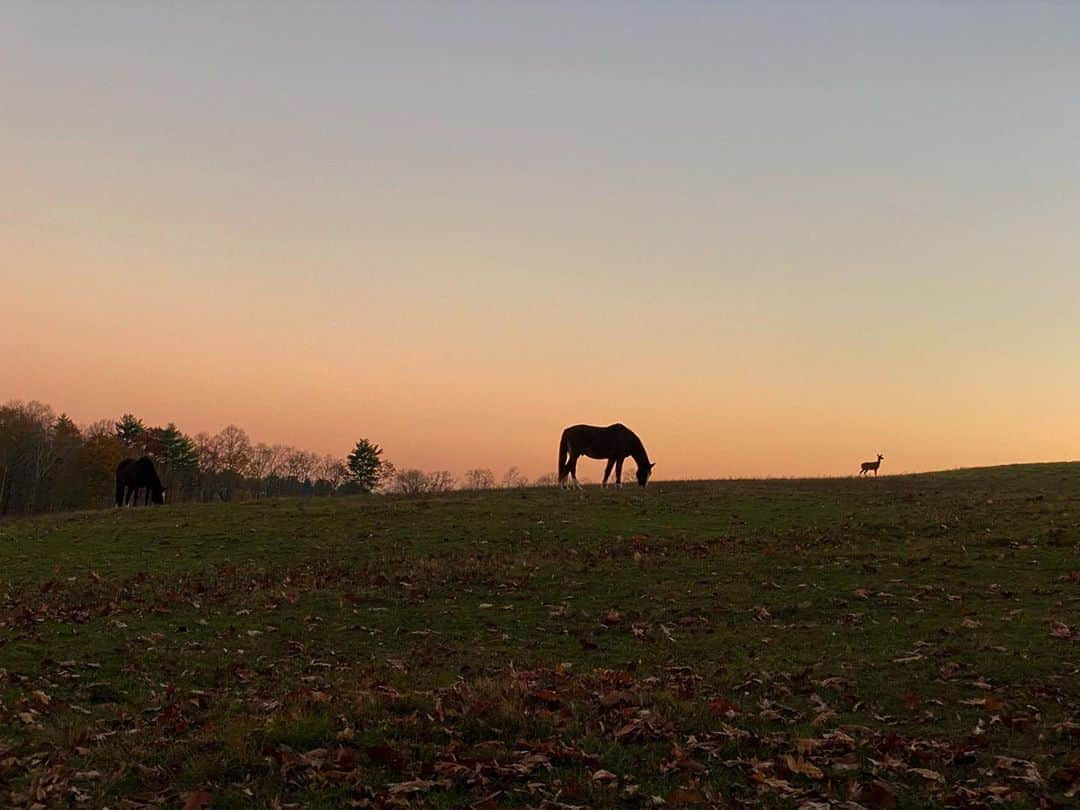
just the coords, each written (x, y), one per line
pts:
(135, 474)
(614, 443)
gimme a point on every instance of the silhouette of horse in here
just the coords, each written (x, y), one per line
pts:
(867, 466)
(614, 443)
(133, 475)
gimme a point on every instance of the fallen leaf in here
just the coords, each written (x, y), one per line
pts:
(412, 786)
(685, 795)
(801, 766)
(196, 799)
(723, 707)
(928, 774)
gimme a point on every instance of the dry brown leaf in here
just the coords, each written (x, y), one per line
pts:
(196, 799)
(685, 795)
(410, 787)
(928, 774)
(801, 766)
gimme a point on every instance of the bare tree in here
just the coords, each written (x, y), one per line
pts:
(514, 478)
(387, 478)
(411, 482)
(102, 427)
(300, 464)
(441, 481)
(479, 479)
(234, 449)
(546, 480)
(224, 459)
(48, 463)
(332, 470)
(208, 452)
(26, 455)
(260, 466)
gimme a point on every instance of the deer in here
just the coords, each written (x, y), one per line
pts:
(867, 466)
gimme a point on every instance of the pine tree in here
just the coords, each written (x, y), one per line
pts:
(174, 447)
(366, 469)
(64, 427)
(130, 430)
(178, 456)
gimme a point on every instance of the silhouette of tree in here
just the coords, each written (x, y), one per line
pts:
(66, 484)
(26, 456)
(101, 452)
(331, 472)
(47, 463)
(365, 467)
(514, 478)
(441, 481)
(131, 431)
(178, 457)
(387, 475)
(411, 482)
(223, 462)
(479, 479)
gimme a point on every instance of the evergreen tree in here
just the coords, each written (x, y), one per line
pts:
(130, 430)
(178, 457)
(67, 482)
(64, 427)
(177, 450)
(366, 469)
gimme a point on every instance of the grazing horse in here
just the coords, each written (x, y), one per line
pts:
(867, 466)
(133, 475)
(614, 443)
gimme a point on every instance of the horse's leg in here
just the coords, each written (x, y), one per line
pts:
(573, 469)
(618, 472)
(607, 471)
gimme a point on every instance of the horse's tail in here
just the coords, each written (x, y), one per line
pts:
(564, 456)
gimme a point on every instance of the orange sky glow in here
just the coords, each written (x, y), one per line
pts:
(772, 247)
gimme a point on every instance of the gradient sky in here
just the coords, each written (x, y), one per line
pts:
(771, 237)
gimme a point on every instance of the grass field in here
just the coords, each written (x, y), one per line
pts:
(905, 641)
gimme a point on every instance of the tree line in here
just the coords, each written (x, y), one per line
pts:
(50, 464)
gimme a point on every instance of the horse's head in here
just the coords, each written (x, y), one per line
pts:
(643, 473)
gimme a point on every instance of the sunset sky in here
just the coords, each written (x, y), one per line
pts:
(773, 238)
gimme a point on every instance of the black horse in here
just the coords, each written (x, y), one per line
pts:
(135, 474)
(614, 443)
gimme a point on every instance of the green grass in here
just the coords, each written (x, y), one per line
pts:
(889, 640)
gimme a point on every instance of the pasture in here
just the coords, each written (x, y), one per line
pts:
(905, 641)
